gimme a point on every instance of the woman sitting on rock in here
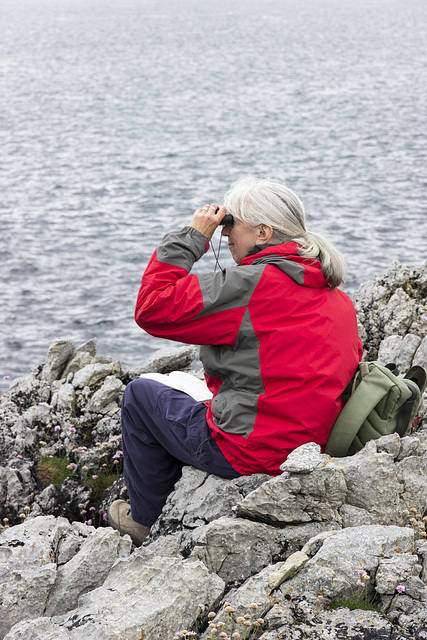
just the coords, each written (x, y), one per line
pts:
(279, 344)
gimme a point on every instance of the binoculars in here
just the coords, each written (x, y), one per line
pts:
(227, 219)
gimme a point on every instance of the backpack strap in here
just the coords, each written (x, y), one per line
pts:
(404, 417)
(354, 412)
(416, 380)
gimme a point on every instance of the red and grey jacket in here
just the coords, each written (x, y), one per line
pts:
(278, 346)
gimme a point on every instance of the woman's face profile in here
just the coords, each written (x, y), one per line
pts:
(241, 238)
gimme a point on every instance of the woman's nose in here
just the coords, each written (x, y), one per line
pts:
(226, 230)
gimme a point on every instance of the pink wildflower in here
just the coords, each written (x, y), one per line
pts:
(400, 588)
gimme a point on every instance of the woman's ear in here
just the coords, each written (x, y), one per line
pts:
(265, 233)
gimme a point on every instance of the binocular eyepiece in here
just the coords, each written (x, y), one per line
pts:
(227, 219)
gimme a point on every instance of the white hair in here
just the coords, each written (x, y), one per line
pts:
(259, 201)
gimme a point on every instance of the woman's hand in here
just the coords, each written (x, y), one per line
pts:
(207, 219)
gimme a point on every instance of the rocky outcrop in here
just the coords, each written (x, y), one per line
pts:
(394, 305)
(287, 552)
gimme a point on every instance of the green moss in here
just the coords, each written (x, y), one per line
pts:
(99, 484)
(354, 603)
(52, 471)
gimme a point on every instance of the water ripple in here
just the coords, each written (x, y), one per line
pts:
(116, 121)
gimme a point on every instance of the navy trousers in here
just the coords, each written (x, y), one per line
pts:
(163, 429)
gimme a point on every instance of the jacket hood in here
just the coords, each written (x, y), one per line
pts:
(304, 271)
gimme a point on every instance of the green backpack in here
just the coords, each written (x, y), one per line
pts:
(377, 402)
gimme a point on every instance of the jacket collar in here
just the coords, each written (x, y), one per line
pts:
(304, 271)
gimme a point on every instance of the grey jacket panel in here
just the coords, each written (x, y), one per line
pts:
(234, 407)
(182, 248)
(292, 269)
(229, 289)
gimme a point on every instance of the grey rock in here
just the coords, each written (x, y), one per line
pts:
(293, 564)
(88, 347)
(307, 621)
(174, 545)
(46, 500)
(304, 459)
(37, 416)
(355, 516)
(420, 357)
(38, 629)
(235, 549)
(419, 326)
(78, 361)
(83, 355)
(97, 555)
(66, 400)
(200, 498)
(410, 446)
(298, 497)
(420, 280)
(412, 622)
(60, 352)
(421, 548)
(315, 543)
(19, 438)
(252, 596)
(400, 350)
(391, 444)
(372, 485)
(27, 570)
(399, 313)
(106, 427)
(110, 391)
(102, 359)
(299, 534)
(59, 501)
(27, 391)
(333, 570)
(412, 474)
(169, 359)
(17, 488)
(280, 620)
(46, 564)
(144, 596)
(397, 570)
(91, 374)
(394, 302)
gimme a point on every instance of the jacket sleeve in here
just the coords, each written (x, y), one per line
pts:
(174, 304)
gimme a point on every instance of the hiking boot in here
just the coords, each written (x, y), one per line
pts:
(119, 518)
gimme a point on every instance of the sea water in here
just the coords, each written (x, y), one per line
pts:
(118, 119)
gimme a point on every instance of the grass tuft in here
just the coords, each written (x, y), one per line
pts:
(354, 603)
(52, 471)
(101, 483)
